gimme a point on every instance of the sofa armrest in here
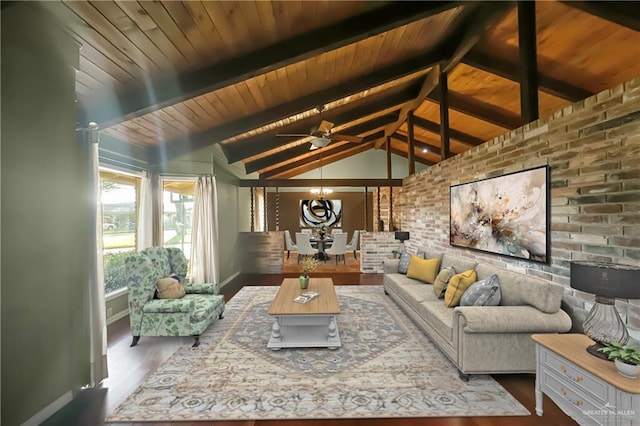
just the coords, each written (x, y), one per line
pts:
(390, 266)
(201, 288)
(169, 306)
(510, 319)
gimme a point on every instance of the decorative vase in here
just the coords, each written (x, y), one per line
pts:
(304, 282)
(322, 235)
(627, 370)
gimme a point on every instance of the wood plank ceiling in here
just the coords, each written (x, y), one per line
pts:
(174, 76)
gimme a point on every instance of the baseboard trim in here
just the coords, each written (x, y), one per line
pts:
(49, 410)
(228, 280)
(117, 316)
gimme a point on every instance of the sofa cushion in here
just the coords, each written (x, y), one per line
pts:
(458, 284)
(424, 270)
(519, 289)
(482, 293)
(170, 288)
(440, 284)
(439, 317)
(458, 263)
(429, 253)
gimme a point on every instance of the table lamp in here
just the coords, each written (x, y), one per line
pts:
(402, 236)
(607, 281)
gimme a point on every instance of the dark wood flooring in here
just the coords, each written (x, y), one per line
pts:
(128, 367)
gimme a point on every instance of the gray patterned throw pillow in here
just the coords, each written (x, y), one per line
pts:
(483, 293)
(403, 265)
(405, 258)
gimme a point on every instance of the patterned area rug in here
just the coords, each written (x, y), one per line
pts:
(386, 367)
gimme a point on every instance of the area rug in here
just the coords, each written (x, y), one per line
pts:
(386, 367)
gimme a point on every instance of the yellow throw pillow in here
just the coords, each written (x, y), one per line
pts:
(458, 284)
(424, 270)
(170, 288)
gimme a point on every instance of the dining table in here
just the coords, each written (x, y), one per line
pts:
(322, 241)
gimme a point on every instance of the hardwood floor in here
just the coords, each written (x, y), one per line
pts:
(128, 367)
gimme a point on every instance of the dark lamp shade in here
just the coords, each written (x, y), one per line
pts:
(606, 279)
(402, 235)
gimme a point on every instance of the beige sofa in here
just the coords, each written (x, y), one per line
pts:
(482, 339)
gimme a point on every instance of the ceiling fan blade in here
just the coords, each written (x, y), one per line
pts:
(325, 126)
(348, 138)
(298, 135)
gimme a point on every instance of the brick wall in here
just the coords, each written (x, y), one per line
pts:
(593, 150)
(261, 252)
(375, 247)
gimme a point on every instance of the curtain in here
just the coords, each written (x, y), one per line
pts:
(97, 308)
(204, 232)
(145, 213)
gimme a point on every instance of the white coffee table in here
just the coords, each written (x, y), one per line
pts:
(308, 325)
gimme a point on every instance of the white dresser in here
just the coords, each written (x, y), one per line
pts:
(587, 388)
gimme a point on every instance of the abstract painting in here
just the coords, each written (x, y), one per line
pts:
(320, 212)
(507, 215)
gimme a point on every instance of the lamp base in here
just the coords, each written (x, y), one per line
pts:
(593, 350)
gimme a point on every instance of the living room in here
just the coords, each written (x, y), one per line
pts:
(591, 147)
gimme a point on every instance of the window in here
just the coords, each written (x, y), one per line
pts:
(177, 213)
(119, 192)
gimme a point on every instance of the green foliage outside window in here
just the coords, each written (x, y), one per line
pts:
(114, 273)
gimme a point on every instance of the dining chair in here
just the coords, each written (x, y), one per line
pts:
(304, 245)
(353, 244)
(306, 230)
(339, 247)
(289, 243)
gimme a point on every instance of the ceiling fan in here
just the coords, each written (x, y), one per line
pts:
(322, 136)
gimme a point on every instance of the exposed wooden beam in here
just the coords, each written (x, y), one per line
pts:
(417, 143)
(625, 13)
(288, 154)
(177, 147)
(467, 30)
(336, 153)
(481, 110)
(299, 183)
(245, 148)
(411, 154)
(339, 151)
(159, 92)
(434, 127)
(420, 160)
(528, 63)
(505, 69)
(443, 89)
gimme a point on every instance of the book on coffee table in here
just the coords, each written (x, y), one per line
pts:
(306, 297)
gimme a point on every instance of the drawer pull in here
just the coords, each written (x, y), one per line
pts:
(577, 402)
(577, 379)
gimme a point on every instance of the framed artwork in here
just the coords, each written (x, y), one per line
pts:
(506, 215)
(320, 212)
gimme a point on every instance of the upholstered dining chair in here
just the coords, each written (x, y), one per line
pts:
(353, 244)
(339, 247)
(304, 245)
(289, 243)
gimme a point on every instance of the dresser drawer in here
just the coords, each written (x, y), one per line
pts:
(580, 407)
(594, 388)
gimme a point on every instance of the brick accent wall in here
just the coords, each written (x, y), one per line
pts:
(593, 150)
(261, 252)
(375, 247)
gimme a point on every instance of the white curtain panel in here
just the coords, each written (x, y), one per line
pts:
(145, 213)
(204, 232)
(97, 309)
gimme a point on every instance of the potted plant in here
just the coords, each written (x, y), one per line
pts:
(309, 264)
(626, 358)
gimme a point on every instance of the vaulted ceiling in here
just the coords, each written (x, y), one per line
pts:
(424, 80)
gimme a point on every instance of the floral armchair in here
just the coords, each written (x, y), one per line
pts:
(186, 316)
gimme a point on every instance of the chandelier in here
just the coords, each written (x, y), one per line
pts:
(321, 191)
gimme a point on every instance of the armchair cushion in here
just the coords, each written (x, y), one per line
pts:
(167, 306)
(201, 288)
